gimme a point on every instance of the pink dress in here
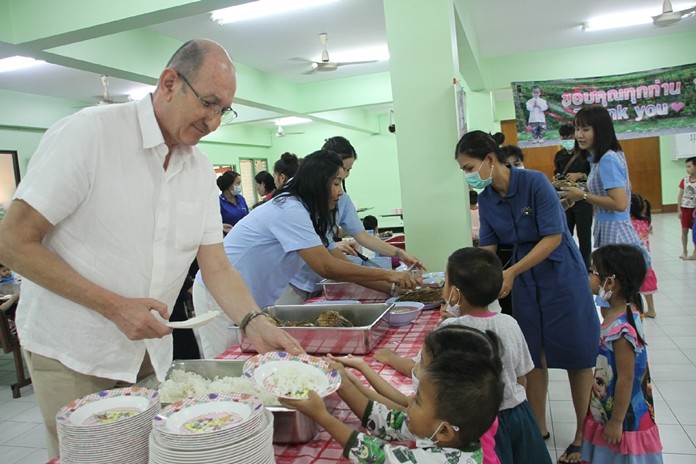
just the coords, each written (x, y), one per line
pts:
(642, 227)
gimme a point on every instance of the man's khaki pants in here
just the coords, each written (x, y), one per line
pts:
(56, 385)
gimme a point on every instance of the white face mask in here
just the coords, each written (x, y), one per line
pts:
(453, 309)
(237, 189)
(422, 442)
(414, 379)
(604, 295)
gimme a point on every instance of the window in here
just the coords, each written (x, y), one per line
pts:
(9, 178)
(249, 168)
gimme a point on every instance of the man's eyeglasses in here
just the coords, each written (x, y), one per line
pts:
(227, 114)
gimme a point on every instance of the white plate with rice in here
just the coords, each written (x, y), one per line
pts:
(290, 376)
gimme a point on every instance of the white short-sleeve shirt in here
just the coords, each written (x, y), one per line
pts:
(517, 361)
(121, 221)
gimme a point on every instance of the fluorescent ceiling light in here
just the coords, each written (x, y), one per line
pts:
(291, 120)
(379, 53)
(261, 8)
(17, 62)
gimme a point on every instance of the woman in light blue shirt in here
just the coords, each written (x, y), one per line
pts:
(269, 246)
(305, 283)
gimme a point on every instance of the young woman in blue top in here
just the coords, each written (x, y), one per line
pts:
(551, 300)
(608, 182)
(233, 206)
(269, 246)
(304, 284)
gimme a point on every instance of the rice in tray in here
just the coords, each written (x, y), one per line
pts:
(182, 384)
(291, 383)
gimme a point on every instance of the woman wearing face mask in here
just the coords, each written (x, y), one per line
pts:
(551, 295)
(233, 206)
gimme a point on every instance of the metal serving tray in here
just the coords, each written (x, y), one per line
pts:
(370, 324)
(350, 291)
(289, 425)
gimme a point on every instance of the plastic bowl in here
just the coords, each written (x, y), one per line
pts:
(404, 312)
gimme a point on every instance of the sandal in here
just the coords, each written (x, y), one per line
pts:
(571, 449)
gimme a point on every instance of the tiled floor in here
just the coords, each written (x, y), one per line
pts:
(672, 353)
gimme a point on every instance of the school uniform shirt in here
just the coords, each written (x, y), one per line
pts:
(231, 213)
(121, 221)
(553, 298)
(263, 247)
(391, 424)
(347, 219)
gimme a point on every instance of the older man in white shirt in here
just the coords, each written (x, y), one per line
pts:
(116, 204)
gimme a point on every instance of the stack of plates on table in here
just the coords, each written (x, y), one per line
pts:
(111, 426)
(213, 428)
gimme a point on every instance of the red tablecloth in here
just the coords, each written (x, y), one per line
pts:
(405, 341)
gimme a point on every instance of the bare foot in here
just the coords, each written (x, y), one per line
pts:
(691, 258)
(651, 314)
(682, 256)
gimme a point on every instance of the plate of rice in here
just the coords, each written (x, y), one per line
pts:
(291, 376)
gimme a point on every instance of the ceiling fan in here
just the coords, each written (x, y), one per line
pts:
(326, 64)
(280, 132)
(669, 16)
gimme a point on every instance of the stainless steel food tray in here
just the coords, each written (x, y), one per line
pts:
(350, 291)
(289, 426)
(370, 324)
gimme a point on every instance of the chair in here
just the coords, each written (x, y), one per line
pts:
(10, 344)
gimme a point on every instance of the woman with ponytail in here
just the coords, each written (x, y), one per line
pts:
(620, 424)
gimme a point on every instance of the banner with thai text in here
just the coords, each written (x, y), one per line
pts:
(642, 104)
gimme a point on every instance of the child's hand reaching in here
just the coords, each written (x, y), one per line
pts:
(313, 406)
(384, 355)
(349, 361)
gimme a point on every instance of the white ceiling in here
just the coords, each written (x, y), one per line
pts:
(272, 44)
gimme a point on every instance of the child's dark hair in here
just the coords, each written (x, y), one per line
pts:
(473, 197)
(513, 150)
(477, 274)
(691, 160)
(265, 178)
(466, 375)
(566, 130)
(369, 222)
(640, 208)
(626, 263)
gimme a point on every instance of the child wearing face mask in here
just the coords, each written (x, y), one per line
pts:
(440, 418)
(453, 338)
(473, 279)
(620, 424)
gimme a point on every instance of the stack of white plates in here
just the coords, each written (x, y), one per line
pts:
(213, 428)
(111, 426)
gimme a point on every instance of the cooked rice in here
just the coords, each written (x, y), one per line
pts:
(182, 384)
(292, 383)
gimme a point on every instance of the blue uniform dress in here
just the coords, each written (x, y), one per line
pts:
(552, 301)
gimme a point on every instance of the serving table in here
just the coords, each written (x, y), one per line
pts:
(405, 341)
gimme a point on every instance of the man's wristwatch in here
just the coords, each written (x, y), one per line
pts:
(584, 196)
(248, 318)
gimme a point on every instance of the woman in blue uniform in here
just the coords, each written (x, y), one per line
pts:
(551, 297)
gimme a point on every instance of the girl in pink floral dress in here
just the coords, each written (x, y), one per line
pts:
(641, 219)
